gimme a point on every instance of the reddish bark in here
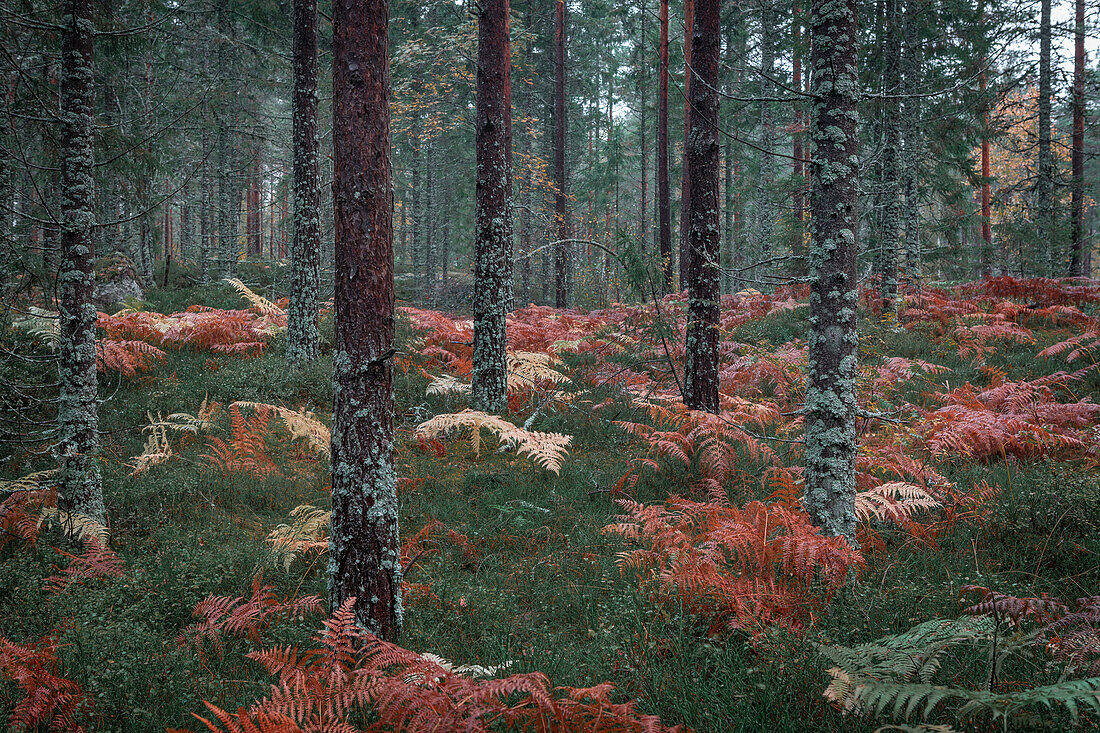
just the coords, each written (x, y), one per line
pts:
(701, 374)
(664, 209)
(364, 558)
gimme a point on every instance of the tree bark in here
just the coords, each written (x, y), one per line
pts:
(303, 334)
(830, 408)
(80, 487)
(891, 160)
(1076, 266)
(664, 208)
(561, 246)
(701, 345)
(766, 180)
(1045, 183)
(685, 169)
(364, 549)
(493, 212)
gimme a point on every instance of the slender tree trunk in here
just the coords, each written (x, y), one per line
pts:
(986, 244)
(891, 159)
(664, 208)
(799, 124)
(641, 91)
(912, 143)
(766, 180)
(562, 249)
(1076, 267)
(1045, 184)
(701, 345)
(493, 244)
(80, 486)
(364, 549)
(685, 169)
(303, 334)
(830, 409)
(430, 219)
(206, 216)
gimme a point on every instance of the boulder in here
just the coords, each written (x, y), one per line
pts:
(116, 280)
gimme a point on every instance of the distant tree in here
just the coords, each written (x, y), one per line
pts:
(830, 410)
(1044, 183)
(664, 209)
(303, 335)
(493, 245)
(364, 560)
(685, 169)
(561, 247)
(701, 373)
(81, 489)
(1077, 252)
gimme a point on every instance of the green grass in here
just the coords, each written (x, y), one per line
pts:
(543, 589)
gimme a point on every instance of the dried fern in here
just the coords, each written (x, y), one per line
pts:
(548, 450)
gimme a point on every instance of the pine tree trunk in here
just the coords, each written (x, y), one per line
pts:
(80, 487)
(1076, 267)
(685, 169)
(493, 243)
(764, 224)
(303, 335)
(664, 208)
(891, 160)
(364, 549)
(912, 143)
(206, 216)
(830, 408)
(641, 90)
(562, 248)
(701, 345)
(1045, 184)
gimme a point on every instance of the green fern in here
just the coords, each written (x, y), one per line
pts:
(893, 676)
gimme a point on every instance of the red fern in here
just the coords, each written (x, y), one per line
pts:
(127, 357)
(247, 451)
(48, 699)
(97, 561)
(352, 673)
(748, 567)
(237, 617)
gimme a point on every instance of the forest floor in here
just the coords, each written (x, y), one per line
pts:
(535, 581)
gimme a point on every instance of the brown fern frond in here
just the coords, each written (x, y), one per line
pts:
(48, 700)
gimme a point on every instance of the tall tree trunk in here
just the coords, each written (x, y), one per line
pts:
(1045, 184)
(303, 334)
(562, 248)
(1076, 266)
(765, 223)
(493, 243)
(364, 549)
(641, 92)
(664, 208)
(891, 159)
(80, 487)
(701, 345)
(796, 136)
(830, 410)
(685, 169)
(912, 139)
(985, 244)
(206, 216)
(430, 219)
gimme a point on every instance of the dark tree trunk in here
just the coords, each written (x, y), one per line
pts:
(493, 244)
(641, 92)
(80, 487)
(798, 131)
(701, 373)
(253, 216)
(1076, 266)
(1045, 183)
(664, 208)
(764, 220)
(830, 409)
(562, 247)
(206, 216)
(891, 159)
(303, 335)
(912, 65)
(364, 548)
(685, 169)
